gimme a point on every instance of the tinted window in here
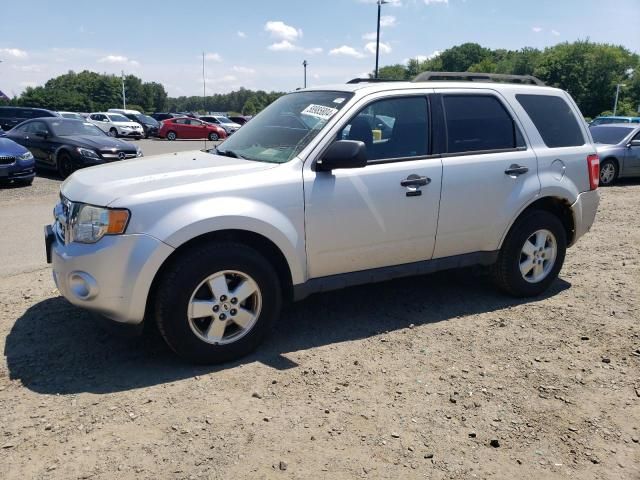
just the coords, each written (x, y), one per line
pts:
(477, 123)
(392, 128)
(181, 121)
(554, 119)
(67, 128)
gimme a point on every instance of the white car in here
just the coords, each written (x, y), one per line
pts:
(386, 180)
(116, 125)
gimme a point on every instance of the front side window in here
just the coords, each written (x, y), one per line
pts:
(283, 129)
(181, 121)
(554, 119)
(195, 123)
(479, 123)
(391, 128)
(69, 128)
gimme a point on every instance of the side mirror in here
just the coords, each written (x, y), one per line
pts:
(41, 134)
(634, 143)
(343, 154)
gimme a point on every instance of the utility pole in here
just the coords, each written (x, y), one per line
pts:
(124, 96)
(615, 105)
(380, 3)
(204, 87)
(304, 64)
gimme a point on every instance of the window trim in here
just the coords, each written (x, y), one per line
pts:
(446, 154)
(381, 161)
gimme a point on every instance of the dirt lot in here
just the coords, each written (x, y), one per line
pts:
(416, 378)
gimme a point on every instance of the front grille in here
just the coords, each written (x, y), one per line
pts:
(7, 160)
(115, 156)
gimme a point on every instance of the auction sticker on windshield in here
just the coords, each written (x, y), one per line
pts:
(319, 111)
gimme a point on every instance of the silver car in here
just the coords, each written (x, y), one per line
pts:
(618, 146)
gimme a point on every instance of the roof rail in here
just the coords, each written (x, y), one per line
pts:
(477, 77)
(372, 80)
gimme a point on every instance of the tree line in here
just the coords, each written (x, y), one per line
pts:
(588, 71)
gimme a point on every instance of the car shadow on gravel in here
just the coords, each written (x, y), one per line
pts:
(56, 348)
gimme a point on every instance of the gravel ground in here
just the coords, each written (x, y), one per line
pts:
(433, 377)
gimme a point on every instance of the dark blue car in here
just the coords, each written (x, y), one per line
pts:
(16, 162)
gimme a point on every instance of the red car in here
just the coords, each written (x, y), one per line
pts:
(185, 127)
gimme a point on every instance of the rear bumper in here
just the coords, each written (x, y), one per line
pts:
(584, 212)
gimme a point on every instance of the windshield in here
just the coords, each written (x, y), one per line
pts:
(609, 135)
(115, 117)
(284, 128)
(147, 119)
(224, 120)
(72, 116)
(68, 128)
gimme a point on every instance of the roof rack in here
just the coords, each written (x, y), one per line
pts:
(477, 77)
(372, 80)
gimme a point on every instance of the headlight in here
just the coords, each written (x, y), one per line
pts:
(138, 151)
(88, 153)
(89, 224)
(26, 156)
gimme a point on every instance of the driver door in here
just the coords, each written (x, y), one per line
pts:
(363, 218)
(632, 158)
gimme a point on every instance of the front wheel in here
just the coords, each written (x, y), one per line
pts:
(64, 164)
(113, 133)
(608, 173)
(171, 136)
(532, 255)
(213, 137)
(217, 302)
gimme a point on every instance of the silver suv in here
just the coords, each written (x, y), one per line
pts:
(327, 188)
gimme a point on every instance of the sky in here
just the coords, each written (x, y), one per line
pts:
(261, 44)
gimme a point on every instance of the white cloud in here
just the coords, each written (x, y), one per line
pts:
(283, 46)
(13, 52)
(118, 60)
(536, 29)
(28, 84)
(282, 31)
(371, 48)
(27, 68)
(241, 34)
(432, 2)
(370, 36)
(555, 32)
(423, 58)
(214, 57)
(346, 51)
(244, 70)
(387, 21)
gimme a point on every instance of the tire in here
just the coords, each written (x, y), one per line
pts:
(113, 133)
(171, 135)
(64, 164)
(186, 283)
(608, 173)
(527, 235)
(213, 137)
(26, 183)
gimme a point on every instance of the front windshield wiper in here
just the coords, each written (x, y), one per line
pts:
(229, 153)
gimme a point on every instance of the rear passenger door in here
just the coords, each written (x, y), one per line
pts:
(489, 173)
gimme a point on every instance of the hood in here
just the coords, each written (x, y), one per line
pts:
(99, 142)
(605, 148)
(10, 148)
(126, 124)
(178, 174)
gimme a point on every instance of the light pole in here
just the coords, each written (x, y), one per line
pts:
(615, 105)
(380, 3)
(304, 64)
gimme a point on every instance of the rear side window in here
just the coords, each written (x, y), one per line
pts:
(479, 123)
(554, 119)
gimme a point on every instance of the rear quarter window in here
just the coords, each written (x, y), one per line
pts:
(554, 119)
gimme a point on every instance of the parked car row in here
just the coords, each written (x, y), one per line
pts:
(618, 145)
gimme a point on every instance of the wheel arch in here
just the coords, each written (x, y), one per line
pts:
(258, 242)
(558, 206)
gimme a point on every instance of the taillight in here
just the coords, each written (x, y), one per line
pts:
(593, 163)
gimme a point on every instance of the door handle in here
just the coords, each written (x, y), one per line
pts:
(515, 170)
(415, 181)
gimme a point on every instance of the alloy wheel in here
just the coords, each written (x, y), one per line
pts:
(538, 256)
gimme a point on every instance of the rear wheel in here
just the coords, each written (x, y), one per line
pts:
(64, 164)
(217, 302)
(171, 135)
(608, 173)
(532, 255)
(213, 137)
(113, 132)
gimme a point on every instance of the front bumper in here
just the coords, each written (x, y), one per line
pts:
(584, 212)
(112, 277)
(17, 172)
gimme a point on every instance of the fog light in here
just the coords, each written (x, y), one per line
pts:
(83, 285)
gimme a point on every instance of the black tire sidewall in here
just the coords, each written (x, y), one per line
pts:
(179, 283)
(64, 157)
(615, 176)
(509, 259)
